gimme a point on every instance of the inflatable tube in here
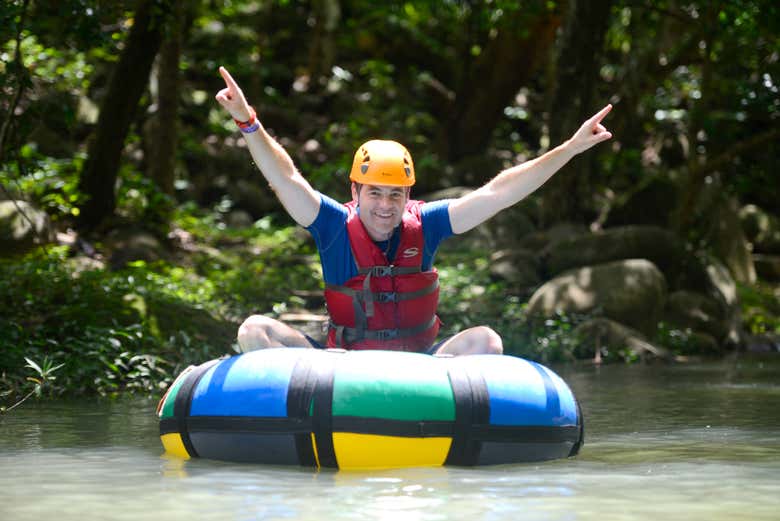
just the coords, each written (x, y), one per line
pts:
(370, 409)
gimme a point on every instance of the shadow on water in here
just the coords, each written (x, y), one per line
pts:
(80, 423)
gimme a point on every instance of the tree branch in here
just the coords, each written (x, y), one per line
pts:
(735, 151)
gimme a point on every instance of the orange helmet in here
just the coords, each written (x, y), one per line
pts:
(381, 162)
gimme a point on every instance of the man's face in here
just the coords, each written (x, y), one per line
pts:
(381, 208)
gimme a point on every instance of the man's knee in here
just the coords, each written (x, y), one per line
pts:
(256, 332)
(474, 341)
(489, 341)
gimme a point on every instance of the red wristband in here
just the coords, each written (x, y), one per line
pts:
(250, 121)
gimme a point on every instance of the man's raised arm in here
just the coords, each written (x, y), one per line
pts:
(515, 183)
(295, 193)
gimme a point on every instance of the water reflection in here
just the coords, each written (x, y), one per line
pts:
(686, 442)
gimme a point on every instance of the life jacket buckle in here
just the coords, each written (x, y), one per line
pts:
(386, 334)
(386, 296)
(381, 271)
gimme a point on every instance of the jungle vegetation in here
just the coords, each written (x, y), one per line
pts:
(160, 234)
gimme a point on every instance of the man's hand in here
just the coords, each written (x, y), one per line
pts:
(591, 132)
(232, 98)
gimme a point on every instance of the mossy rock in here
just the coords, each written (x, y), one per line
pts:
(630, 291)
(614, 340)
(681, 268)
(22, 227)
(698, 312)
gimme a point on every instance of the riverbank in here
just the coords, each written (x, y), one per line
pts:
(134, 312)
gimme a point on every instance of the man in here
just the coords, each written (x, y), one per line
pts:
(377, 251)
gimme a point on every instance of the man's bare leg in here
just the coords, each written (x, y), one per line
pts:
(260, 332)
(473, 341)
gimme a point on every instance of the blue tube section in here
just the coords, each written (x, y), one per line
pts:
(253, 384)
(525, 393)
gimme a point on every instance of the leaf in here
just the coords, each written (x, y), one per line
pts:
(52, 369)
(33, 365)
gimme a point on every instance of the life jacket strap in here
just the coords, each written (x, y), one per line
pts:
(351, 335)
(385, 296)
(368, 297)
(388, 271)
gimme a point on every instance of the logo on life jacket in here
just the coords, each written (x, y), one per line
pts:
(408, 253)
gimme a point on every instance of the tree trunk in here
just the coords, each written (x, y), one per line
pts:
(573, 102)
(162, 149)
(128, 81)
(699, 112)
(18, 72)
(322, 50)
(162, 137)
(507, 62)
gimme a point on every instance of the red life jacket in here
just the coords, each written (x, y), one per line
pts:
(385, 306)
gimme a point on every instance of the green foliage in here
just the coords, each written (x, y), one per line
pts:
(760, 308)
(689, 82)
(103, 326)
(679, 341)
(139, 199)
(700, 79)
(51, 182)
(44, 377)
(469, 297)
(254, 268)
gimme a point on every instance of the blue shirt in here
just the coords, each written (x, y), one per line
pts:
(329, 230)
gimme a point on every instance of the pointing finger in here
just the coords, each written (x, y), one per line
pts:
(600, 115)
(229, 81)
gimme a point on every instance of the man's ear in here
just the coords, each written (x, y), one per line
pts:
(355, 190)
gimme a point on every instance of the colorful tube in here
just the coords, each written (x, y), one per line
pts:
(370, 409)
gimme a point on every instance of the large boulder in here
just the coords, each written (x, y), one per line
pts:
(728, 242)
(605, 339)
(697, 312)
(22, 227)
(762, 229)
(681, 268)
(724, 289)
(629, 291)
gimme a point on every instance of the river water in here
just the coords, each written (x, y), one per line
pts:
(698, 441)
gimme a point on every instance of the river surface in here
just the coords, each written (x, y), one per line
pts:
(698, 441)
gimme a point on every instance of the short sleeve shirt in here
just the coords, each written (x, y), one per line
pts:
(329, 230)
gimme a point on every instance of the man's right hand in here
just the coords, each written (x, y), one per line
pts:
(300, 200)
(232, 98)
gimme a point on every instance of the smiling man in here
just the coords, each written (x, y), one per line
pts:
(377, 250)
